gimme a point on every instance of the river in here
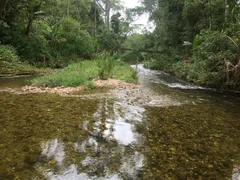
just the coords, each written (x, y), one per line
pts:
(165, 129)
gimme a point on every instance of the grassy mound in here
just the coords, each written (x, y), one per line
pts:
(82, 73)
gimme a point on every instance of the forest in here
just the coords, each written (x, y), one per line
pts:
(86, 92)
(197, 40)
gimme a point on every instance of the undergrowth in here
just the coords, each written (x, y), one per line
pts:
(10, 64)
(84, 72)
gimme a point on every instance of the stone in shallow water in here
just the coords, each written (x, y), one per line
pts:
(236, 173)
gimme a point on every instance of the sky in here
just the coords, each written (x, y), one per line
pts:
(142, 19)
(131, 3)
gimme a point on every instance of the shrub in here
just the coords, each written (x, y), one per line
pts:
(106, 64)
(109, 41)
(82, 73)
(207, 66)
(124, 72)
(133, 57)
(8, 53)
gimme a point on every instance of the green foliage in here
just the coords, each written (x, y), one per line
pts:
(109, 41)
(11, 65)
(113, 67)
(123, 72)
(82, 73)
(47, 33)
(115, 22)
(196, 41)
(161, 62)
(106, 64)
(213, 30)
(8, 53)
(135, 41)
(208, 62)
(75, 40)
(74, 75)
(132, 57)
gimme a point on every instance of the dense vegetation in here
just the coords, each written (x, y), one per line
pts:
(195, 39)
(11, 65)
(53, 32)
(56, 33)
(200, 40)
(83, 73)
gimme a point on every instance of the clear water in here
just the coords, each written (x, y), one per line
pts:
(154, 132)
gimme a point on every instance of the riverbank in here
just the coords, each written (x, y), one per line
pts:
(89, 74)
(109, 84)
(104, 72)
(12, 69)
(198, 75)
(61, 134)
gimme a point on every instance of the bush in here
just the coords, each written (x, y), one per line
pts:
(73, 75)
(8, 53)
(82, 73)
(28, 47)
(75, 41)
(124, 72)
(133, 57)
(106, 64)
(109, 41)
(161, 62)
(207, 66)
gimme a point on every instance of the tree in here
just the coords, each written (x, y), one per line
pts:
(115, 22)
(211, 30)
(33, 10)
(107, 6)
(109, 41)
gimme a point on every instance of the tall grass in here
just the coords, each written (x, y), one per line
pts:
(82, 73)
(106, 64)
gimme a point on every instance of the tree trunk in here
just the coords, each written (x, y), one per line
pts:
(68, 9)
(226, 11)
(29, 26)
(95, 19)
(107, 13)
(4, 13)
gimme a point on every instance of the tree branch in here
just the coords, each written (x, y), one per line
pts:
(100, 5)
(4, 9)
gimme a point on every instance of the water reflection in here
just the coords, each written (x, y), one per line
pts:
(115, 120)
(53, 149)
(109, 150)
(151, 132)
(123, 133)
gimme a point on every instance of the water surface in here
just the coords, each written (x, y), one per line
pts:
(166, 129)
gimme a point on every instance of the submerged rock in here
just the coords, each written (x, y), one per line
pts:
(236, 173)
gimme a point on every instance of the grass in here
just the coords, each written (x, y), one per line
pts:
(124, 72)
(83, 73)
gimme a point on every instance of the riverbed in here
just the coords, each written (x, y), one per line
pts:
(163, 129)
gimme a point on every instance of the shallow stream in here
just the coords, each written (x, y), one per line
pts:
(165, 129)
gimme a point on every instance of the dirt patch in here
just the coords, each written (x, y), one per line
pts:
(110, 83)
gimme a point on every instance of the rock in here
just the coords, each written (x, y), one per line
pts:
(236, 173)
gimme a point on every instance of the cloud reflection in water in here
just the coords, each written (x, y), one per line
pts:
(105, 153)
